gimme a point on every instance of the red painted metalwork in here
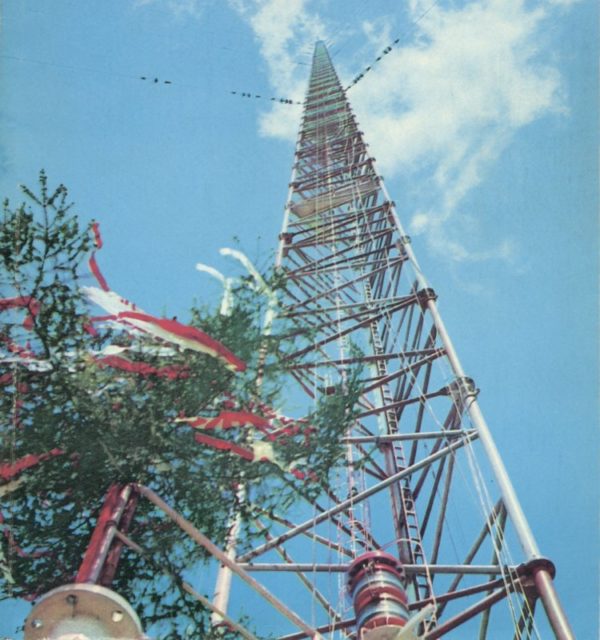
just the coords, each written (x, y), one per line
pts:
(466, 615)
(118, 504)
(545, 588)
(352, 276)
(114, 554)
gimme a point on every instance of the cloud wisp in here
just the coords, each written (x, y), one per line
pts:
(450, 103)
(178, 8)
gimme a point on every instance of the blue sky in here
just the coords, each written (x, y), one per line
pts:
(483, 120)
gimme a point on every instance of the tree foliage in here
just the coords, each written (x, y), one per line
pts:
(112, 426)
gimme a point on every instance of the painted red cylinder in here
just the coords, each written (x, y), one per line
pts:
(376, 584)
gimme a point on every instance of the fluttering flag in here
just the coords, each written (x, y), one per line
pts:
(224, 445)
(170, 331)
(257, 448)
(227, 420)
(257, 451)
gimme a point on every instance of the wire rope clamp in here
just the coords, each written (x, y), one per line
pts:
(401, 246)
(286, 240)
(82, 612)
(425, 295)
(528, 571)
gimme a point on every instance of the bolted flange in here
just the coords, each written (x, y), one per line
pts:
(82, 612)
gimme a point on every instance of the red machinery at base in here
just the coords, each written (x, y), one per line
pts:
(376, 584)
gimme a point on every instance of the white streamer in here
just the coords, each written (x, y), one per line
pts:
(227, 299)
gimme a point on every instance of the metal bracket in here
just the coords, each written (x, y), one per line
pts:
(462, 389)
(424, 295)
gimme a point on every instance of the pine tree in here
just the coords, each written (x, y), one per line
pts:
(75, 422)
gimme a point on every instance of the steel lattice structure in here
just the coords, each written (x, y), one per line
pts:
(353, 279)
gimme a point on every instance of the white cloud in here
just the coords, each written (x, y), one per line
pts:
(446, 107)
(473, 74)
(442, 108)
(378, 32)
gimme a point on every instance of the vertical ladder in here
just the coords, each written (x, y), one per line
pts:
(407, 527)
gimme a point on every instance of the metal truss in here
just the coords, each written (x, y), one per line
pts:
(412, 484)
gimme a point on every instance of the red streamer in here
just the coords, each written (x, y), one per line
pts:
(172, 372)
(20, 301)
(16, 548)
(28, 302)
(96, 271)
(224, 445)
(246, 454)
(23, 352)
(230, 419)
(97, 237)
(92, 262)
(8, 470)
(209, 345)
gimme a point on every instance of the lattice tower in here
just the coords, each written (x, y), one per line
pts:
(413, 486)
